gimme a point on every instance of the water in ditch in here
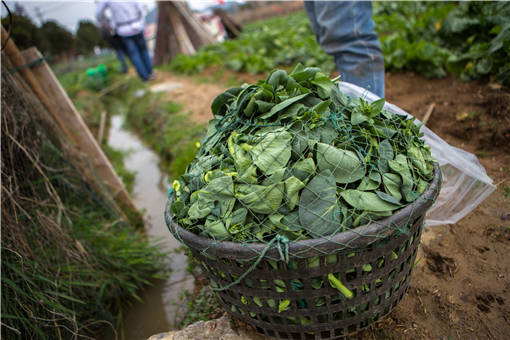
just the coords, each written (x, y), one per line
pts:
(159, 309)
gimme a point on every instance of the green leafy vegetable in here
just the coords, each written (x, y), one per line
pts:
(293, 157)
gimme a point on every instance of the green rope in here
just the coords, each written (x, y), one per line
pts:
(284, 257)
(31, 64)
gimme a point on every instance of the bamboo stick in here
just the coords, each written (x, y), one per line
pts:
(65, 112)
(428, 113)
(102, 123)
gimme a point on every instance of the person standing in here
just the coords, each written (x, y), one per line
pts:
(128, 22)
(108, 34)
(345, 30)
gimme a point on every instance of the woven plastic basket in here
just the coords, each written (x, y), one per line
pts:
(316, 311)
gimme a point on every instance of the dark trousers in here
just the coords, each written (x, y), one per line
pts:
(137, 51)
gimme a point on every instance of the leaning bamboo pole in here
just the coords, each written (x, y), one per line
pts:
(94, 165)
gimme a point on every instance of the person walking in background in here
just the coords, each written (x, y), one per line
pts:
(345, 30)
(108, 34)
(128, 22)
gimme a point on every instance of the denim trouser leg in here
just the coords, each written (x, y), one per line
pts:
(144, 52)
(120, 56)
(135, 56)
(345, 30)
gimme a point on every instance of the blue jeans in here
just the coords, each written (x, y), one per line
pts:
(137, 51)
(345, 30)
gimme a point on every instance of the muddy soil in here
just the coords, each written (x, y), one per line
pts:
(460, 287)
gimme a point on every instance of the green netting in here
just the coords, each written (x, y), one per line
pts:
(299, 192)
(293, 157)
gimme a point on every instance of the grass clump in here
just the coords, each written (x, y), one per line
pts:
(69, 262)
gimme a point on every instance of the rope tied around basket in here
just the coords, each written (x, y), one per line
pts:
(284, 256)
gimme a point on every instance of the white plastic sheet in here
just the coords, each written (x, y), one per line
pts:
(465, 182)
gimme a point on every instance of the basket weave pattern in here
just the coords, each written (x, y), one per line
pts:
(317, 311)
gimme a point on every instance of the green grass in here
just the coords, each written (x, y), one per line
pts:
(68, 268)
(163, 126)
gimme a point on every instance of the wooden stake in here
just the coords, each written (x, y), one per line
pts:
(194, 24)
(428, 113)
(18, 60)
(100, 134)
(180, 31)
(82, 138)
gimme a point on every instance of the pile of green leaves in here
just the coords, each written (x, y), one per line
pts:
(471, 39)
(292, 155)
(262, 46)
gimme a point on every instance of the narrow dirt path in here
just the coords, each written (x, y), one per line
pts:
(196, 98)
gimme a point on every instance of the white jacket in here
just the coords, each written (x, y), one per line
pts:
(127, 17)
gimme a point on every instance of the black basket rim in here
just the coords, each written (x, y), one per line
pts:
(351, 240)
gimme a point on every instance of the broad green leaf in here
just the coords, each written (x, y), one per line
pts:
(284, 305)
(363, 200)
(388, 198)
(291, 221)
(324, 85)
(385, 131)
(179, 209)
(416, 156)
(277, 78)
(238, 216)
(422, 186)
(291, 111)
(260, 199)
(323, 107)
(400, 166)
(327, 134)
(358, 117)
(292, 188)
(305, 74)
(263, 106)
(392, 184)
(272, 152)
(319, 212)
(303, 169)
(257, 301)
(376, 107)
(279, 107)
(371, 182)
(385, 150)
(216, 229)
(218, 106)
(203, 200)
(247, 173)
(339, 99)
(275, 178)
(344, 164)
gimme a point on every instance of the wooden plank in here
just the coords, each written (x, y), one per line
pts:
(192, 21)
(180, 31)
(17, 60)
(81, 137)
(102, 123)
(428, 113)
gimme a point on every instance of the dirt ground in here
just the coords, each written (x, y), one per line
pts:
(460, 288)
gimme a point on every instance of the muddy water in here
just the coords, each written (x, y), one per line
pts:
(159, 308)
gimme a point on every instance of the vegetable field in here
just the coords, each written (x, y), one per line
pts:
(470, 40)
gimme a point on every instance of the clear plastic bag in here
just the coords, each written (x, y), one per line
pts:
(465, 182)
